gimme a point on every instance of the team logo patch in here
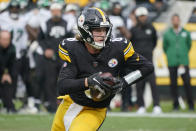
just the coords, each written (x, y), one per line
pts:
(184, 34)
(148, 31)
(65, 64)
(113, 62)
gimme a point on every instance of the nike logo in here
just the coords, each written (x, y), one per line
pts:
(96, 81)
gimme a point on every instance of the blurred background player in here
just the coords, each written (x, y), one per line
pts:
(144, 39)
(177, 44)
(7, 65)
(119, 30)
(117, 20)
(55, 29)
(17, 25)
(37, 18)
(70, 16)
(131, 20)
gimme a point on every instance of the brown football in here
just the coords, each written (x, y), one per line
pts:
(108, 74)
(98, 95)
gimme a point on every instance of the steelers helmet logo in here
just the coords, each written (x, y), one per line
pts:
(113, 62)
(81, 20)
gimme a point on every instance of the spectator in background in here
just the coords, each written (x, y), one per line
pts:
(126, 92)
(116, 19)
(131, 20)
(49, 65)
(177, 44)
(7, 61)
(119, 30)
(17, 25)
(144, 39)
(70, 16)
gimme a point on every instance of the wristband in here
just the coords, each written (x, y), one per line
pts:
(133, 76)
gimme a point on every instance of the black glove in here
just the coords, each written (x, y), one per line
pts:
(119, 84)
(101, 83)
(96, 82)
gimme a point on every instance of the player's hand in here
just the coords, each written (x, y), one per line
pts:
(6, 78)
(96, 82)
(118, 84)
(49, 53)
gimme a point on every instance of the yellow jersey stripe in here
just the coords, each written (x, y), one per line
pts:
(128, 47)
(102, 14)
(138, 58)
(129, 53)
(62, 49)
(64, 57)
(63, 52)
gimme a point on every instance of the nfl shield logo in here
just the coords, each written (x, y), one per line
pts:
(65, 64)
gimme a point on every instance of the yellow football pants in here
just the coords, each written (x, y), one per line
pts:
(87, 119)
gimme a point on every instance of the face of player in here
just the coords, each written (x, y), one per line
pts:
(56, 14)
(117, 11)
(143, 19)
(99, 34)
(176, 21)
(14, 12)
(5, 38)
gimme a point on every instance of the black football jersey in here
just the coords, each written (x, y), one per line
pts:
(79, 64)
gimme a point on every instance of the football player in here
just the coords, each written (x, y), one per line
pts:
(91, 52)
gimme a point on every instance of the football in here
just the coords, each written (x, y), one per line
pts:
(108, 75)
(98, 94)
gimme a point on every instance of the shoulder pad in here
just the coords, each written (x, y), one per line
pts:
(125, 46)
(128, 51)
(65, 49)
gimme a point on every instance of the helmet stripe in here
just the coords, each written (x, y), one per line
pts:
(102, 14)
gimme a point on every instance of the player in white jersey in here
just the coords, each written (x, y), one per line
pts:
(41, 15)
(16, 23)
(70, 16)
(116, 19)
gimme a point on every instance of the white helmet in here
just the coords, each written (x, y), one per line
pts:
(141, 11)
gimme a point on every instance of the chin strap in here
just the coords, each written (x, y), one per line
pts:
(133, 76)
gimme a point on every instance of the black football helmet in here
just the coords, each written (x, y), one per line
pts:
(93, 18)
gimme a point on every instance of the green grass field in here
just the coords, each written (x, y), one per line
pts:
(43, 123)
(121, 122)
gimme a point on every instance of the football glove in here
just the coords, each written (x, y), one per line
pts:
(115, 87)
(96, 82)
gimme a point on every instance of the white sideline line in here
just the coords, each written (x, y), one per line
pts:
(162, 115)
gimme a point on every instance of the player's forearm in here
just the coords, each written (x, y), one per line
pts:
(68, 86)
(139, 74)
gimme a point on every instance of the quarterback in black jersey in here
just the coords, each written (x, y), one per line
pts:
(85, 57)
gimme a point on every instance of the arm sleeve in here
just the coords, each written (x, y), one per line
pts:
(138, 62)
(67, 82)
(135, 61)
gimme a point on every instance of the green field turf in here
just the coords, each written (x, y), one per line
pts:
(112, 123)
(43, 123)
